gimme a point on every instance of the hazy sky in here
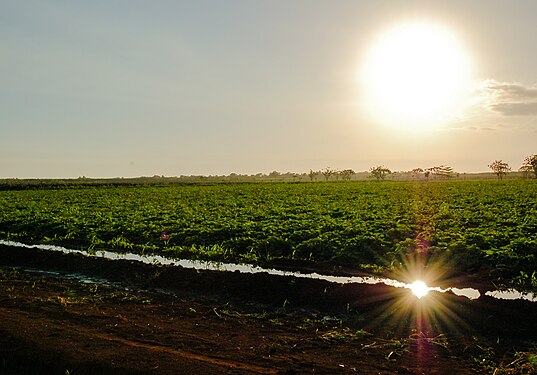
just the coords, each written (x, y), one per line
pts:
(130, 88)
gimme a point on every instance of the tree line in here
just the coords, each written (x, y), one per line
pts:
(442, 171)
(501, 168)
(380, 173)
(329, 173)
(498, 167)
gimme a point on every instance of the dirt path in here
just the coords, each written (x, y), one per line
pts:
(53, 324)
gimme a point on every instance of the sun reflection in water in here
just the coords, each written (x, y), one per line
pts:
(419, 288)
(421, 303)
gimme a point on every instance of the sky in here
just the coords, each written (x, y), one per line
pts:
(136, 88)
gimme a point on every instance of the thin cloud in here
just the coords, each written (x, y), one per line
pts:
(511, 98)
(513, 91)
(515, 109)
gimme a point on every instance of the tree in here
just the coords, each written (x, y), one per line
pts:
(499, 168)
(441, 171)
(327, 172)
(418, 171)
(379, 173)
(312, 174)
(346, 174)
(530, 165)
(274, 175)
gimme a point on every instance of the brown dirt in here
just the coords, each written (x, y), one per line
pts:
(148, 319)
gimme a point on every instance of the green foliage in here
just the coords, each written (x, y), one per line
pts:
(470, 223)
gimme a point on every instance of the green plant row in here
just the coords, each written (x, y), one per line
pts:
(474, 224)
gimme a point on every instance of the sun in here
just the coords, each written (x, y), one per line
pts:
(416, 74)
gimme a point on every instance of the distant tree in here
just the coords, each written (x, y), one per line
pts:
(526, 171)
(327, 173)
(440, 171)
(427, 173)
(530, 165)
(499, 168)
(274, 175)
(416, 172)
(379, 173)
(346, 174)
(312, 174)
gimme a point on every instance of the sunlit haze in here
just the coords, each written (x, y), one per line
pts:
(135, 88)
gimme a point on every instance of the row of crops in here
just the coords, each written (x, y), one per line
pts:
(371, 224)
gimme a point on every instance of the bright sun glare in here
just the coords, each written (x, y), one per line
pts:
(415, 74)
(419, 288)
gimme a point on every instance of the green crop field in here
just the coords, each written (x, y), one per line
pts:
(472, 224)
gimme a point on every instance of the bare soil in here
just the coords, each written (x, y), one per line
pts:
(94, 316)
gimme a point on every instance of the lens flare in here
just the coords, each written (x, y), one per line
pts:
(419, 288)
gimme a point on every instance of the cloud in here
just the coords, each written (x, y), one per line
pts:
(513, 91)
(475, 128)
(510, 98)
(515, 109)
